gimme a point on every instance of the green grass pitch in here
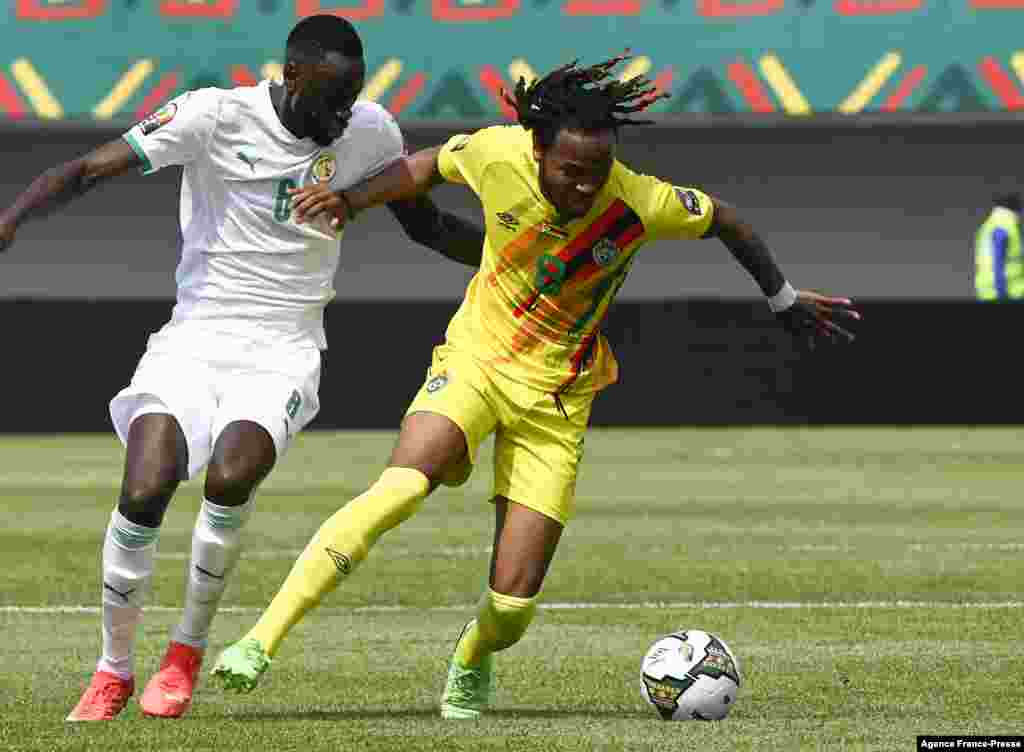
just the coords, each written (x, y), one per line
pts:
(869, 580)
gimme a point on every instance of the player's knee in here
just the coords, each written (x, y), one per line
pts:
(232, 481)
(144, 500)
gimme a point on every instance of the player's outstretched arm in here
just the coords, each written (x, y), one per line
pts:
(808, 316)
(60, 185)
(405, 178)
(448, 234)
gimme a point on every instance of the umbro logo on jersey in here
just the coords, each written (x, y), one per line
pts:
(508, 221)
(554, 231)
(251, 161)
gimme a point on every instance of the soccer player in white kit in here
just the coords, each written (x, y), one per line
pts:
(233, 376)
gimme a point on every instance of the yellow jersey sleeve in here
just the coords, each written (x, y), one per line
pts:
(465, 157)
(669, 211)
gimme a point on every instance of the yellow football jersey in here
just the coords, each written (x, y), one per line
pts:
(534, 310)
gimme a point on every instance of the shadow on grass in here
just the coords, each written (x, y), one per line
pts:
(384, 713)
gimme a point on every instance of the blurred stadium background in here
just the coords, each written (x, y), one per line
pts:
(864, 138)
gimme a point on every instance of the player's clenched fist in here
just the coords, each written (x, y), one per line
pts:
(310, 201)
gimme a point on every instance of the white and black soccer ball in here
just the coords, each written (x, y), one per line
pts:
(690, 675)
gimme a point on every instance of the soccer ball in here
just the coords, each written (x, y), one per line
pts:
(690, 675)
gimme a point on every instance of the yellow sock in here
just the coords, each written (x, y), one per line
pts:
(501, 620)
(338, 547)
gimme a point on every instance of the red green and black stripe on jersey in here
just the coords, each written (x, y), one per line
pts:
(608, 288)
(618, 224)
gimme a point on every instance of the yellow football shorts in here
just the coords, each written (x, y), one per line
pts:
(537, 450)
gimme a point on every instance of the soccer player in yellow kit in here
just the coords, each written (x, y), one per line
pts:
(524, 355)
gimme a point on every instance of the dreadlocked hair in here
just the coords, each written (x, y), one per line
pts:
(585, 98)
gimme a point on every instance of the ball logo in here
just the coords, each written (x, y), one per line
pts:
(663, 694)
(324, 168)
(159, 119)
(719, 663)
(605, 252)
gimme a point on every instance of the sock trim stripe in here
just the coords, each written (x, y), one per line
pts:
(140, 537)
(225, 518)
(399, 476)
(510, 601)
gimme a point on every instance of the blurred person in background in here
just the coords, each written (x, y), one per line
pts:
(998, 264)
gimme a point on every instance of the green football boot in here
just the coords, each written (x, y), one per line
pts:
(469, 690)
(241, 665)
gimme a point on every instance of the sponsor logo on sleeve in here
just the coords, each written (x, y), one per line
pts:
(690, 201)
(159, 119)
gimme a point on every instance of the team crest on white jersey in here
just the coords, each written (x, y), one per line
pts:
(605, 252)
(324, 168)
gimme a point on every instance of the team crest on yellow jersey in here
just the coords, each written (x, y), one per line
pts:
(324, 168)
(437, 383)
(605, 252)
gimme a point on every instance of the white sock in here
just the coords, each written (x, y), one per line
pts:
(216, 544)
(128, 551)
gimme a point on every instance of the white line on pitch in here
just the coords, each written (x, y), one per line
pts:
(451, 552)
(770, 605)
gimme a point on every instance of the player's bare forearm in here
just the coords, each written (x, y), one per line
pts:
(747, 247)
(48, 192)
(808, 316)
(408, 177)
(62, 184)
(449, 234)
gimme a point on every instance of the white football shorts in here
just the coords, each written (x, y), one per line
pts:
(207, 380)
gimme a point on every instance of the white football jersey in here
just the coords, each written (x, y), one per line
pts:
(246, 266)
